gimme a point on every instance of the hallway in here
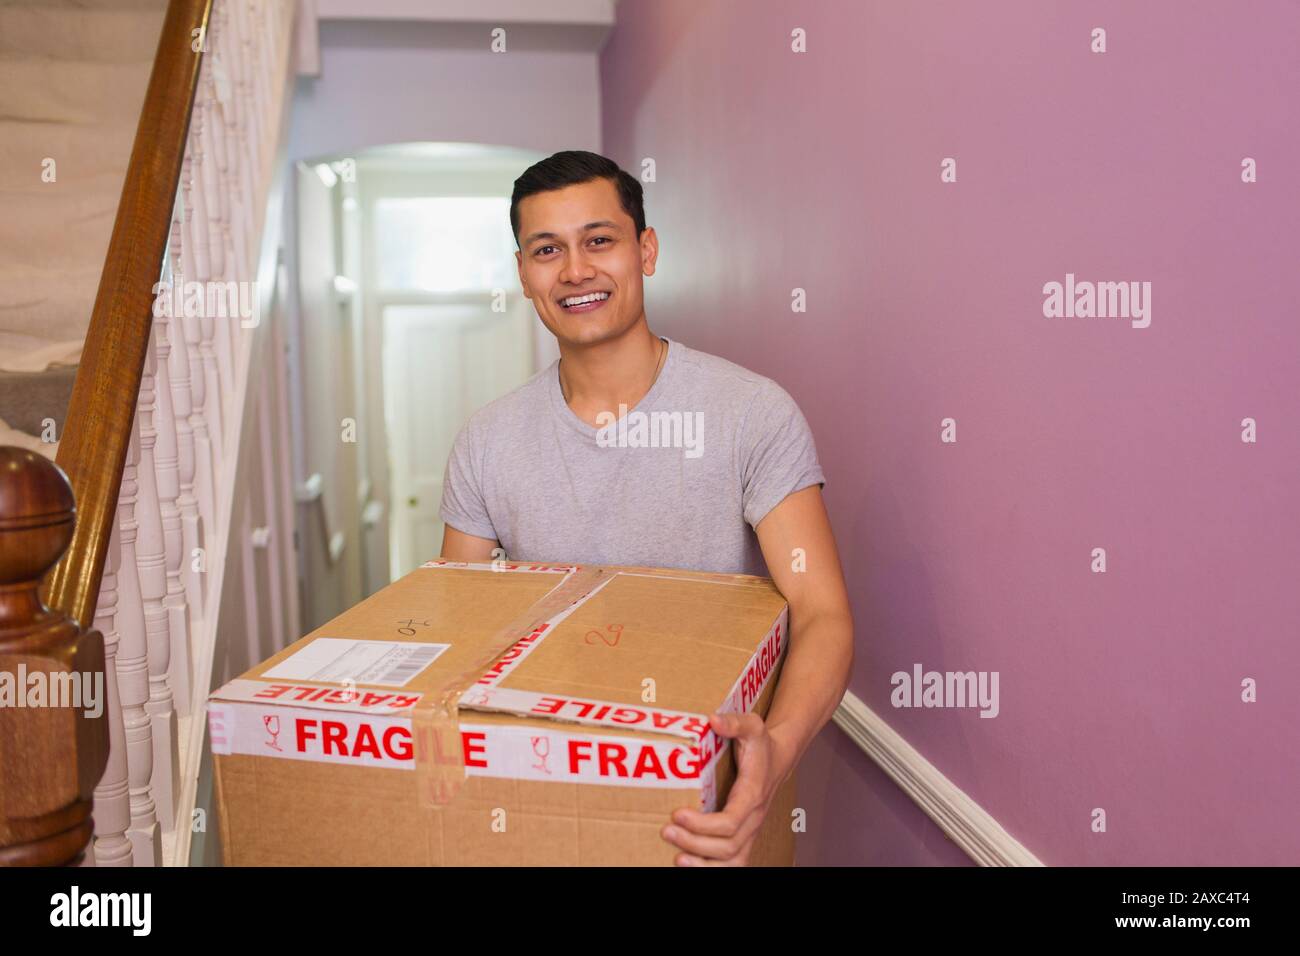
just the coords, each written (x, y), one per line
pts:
(1023, 270)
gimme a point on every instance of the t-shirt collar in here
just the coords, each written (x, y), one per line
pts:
(562, 409)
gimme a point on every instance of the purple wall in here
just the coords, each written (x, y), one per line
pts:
(1119, 690)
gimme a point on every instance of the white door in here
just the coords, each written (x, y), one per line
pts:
(441, 363)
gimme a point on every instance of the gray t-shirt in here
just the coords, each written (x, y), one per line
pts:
(677, 482)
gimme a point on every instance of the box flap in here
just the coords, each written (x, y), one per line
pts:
(644, 650)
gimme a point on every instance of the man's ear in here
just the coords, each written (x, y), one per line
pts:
(649, 251)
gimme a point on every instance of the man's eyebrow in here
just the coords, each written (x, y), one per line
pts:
(599, 224)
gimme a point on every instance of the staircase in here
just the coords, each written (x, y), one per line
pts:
(164, 121)
(72, 82)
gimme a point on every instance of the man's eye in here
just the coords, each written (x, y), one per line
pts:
(538, 252)
(599, 238)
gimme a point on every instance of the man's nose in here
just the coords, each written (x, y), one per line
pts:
(576, 269)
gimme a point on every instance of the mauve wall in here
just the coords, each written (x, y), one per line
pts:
(1118, 690)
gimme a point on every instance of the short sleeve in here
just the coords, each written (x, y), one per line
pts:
(463, 505)
(777, 454)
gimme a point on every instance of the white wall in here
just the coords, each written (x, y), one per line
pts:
(388, 83)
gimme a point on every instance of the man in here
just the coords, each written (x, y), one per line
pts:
(548, 473)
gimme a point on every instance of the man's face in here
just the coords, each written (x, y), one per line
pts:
(577, 241)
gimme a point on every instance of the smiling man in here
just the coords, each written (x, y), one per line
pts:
(634, 449)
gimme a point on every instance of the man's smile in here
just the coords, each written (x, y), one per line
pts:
(589, 302)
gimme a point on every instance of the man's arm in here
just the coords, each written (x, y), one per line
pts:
(813, 679)
(459, 546)
(819, 658)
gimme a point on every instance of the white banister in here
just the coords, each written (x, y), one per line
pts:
(198, 414)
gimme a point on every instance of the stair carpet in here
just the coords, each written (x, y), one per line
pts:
(72, 82)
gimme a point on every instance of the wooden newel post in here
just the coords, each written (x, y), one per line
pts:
(53, 691)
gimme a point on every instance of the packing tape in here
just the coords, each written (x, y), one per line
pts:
(435, 721)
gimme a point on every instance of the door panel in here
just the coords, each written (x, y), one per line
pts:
(441, 363)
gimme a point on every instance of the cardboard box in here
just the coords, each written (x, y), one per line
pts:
(500, 714)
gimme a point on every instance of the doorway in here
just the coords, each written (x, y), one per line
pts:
(442, 361)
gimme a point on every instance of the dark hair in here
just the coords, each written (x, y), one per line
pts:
(571, 168)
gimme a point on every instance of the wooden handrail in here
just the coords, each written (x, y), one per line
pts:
(97, 428)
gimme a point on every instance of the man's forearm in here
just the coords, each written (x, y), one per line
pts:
(812, 682)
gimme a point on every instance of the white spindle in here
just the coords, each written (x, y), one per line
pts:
(210, 179)
(133, 675)
(196, 196)
(225, 167)
(213, 401)
(205, 465)
(236, 112)
(193, 264)
(216, 264)
(166, 461)
(245, 115)
(178, 363)
(112, 798)
(151, 560)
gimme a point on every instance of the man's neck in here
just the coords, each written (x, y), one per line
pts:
(600, 378)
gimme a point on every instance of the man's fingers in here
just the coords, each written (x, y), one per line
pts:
(745, 797)
(723, 823)
(714, 847)
(742, 804)
(710, 848)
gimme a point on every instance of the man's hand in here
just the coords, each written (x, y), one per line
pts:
(725, 838)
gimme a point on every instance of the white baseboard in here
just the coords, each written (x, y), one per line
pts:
(965, 821)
